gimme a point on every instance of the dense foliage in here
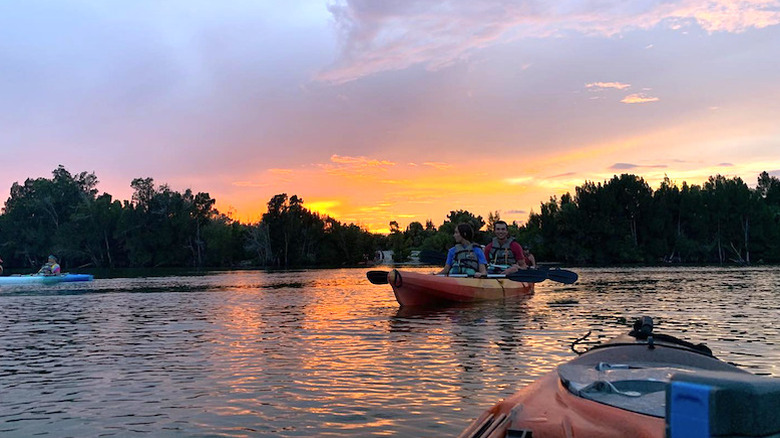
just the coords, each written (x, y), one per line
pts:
(623, 221)
(158, 227)
(618, 221)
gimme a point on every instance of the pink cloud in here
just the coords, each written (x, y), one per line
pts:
(603, 85)
(383, 36)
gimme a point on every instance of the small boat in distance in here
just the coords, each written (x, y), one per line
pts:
(44, 279)
(418, 289)
(639, 385)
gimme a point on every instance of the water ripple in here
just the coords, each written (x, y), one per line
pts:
(326, 353)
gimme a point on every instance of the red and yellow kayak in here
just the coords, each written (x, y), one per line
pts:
(417, 289)
(642, 385)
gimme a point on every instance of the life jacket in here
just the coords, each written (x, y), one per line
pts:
(465, 260)
(501, 254)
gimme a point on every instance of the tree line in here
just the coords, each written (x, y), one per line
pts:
(620, 221)
(624, 221)
(160, 227)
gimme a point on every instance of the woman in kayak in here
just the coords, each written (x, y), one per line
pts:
(51, 267)
(465, 257)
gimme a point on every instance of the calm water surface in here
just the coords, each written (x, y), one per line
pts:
(326, 353)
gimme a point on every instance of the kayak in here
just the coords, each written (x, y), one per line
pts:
(418, 289)
(44, 279)
(639, 385)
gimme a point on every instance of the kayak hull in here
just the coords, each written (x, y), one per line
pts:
(417, 289)
(44, 279)
(617, 389)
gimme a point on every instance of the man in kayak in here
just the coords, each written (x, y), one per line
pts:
(465, 257)
(51, 267)
(503, 253)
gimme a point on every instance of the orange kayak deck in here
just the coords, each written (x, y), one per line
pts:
(547, 409)
(417, 289)
(616, 389)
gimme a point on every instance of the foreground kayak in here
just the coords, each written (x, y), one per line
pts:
(44, 279)
(417, 289)
(641, 385)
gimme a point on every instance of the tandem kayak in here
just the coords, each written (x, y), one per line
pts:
(418, 289)
(640, 385)
(44, 279)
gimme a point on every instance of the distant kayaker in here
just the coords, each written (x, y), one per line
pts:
(51, 267)
(465, 257)
(1, 266)
(530, 260)
(503, 253)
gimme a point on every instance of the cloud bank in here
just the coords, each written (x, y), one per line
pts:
(381, 36)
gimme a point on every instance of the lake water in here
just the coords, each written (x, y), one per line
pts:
(326, 353)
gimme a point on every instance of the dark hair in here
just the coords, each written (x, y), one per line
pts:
(500, 222)
(465, 231)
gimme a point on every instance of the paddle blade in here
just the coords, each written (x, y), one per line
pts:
(377, 277)
(562, 276)
(528, 276)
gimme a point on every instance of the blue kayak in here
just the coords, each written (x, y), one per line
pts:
(44, 279)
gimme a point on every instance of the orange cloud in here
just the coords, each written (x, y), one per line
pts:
(438, 165)
(356, 167)
(639, 98)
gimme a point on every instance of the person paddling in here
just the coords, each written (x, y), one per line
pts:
(1, 266)
(465, 257)
(51, 267)
(530, 260)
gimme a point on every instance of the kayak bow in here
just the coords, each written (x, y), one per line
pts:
(640, 385)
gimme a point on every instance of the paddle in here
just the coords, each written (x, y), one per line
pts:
(528, 276)
(524, 275)
(377, 277)
(536, 275)
(562, 275)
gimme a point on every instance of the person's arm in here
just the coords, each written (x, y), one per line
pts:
(532, 260)
(482, 271)
(486, 252)
(517, 250)
(448, 265)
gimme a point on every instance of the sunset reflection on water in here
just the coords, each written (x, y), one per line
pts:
(326, 353)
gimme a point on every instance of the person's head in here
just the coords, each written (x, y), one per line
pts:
(527, 249)
(463, 231)
(52, 259)
(501, 230)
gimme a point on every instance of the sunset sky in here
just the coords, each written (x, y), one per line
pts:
(374, 111)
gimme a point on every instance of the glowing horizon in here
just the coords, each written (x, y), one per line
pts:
(375, 111)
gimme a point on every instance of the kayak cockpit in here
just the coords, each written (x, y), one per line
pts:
(642, 385)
